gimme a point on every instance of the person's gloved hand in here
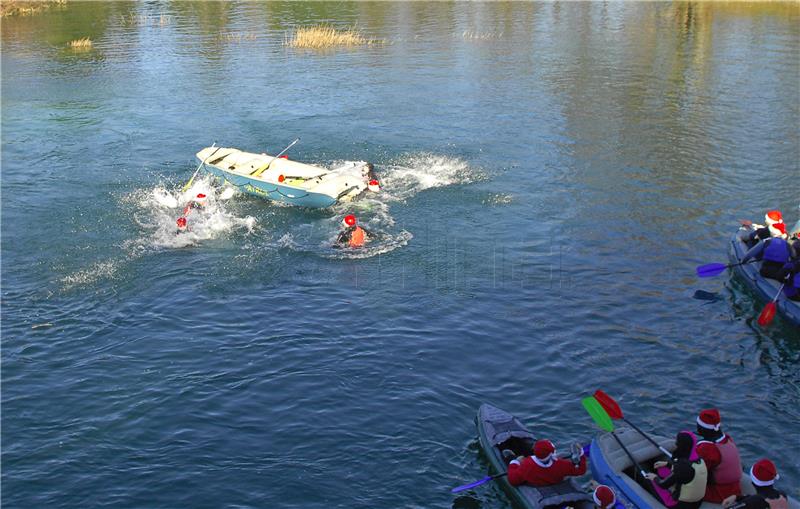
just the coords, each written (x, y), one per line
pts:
(577, 453)
(660, 464)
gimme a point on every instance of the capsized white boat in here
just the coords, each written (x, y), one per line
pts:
(291, 182)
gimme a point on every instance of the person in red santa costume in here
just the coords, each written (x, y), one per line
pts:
(763, 475)
(544, 468)
(721, 456)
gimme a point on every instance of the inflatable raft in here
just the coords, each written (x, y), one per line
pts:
(286, 181)
(498, 430)
(610, 465)
(764, 287)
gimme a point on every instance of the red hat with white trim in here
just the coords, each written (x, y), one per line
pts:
(181, 222)
(604, 497)
(543, 449)
(709, 419)
(777, 230)
(764, 473)
(200, 199)
(349, 220)
(374, 186)
(773, 216)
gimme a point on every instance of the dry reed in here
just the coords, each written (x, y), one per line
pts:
(27, 8)
(82, 43)
(325, 36)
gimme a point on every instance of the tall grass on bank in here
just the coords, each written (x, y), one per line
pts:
(82, 43)
(27, 8)
(325, 36)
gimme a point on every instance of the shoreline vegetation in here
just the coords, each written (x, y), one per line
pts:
(27, 7)
(82, 43)
(326, 36)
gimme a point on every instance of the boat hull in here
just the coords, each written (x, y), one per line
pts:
(610, 465)
(275, 192)
(286, 181)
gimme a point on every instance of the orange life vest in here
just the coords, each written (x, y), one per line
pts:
(357, 237)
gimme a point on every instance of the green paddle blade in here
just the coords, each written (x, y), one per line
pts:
(598, 413)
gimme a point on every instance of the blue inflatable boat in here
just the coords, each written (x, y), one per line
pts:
(764, 287)
(610, 465)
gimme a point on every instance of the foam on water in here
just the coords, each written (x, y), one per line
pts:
(155, 212)
(410, 174)
(158, 210)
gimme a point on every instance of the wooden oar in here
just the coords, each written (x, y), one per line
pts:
(261, 170)
(189, 184)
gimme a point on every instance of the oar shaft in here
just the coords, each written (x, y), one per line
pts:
(635, 463)
(648, 437)
(189, 184)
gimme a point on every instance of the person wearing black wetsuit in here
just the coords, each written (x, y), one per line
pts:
(688, 474)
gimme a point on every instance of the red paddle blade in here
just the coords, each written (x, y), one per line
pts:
(766, 316)
(609, 405)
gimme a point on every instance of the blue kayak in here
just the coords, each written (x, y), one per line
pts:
(610, 465)
(764, 287)
(498, 430)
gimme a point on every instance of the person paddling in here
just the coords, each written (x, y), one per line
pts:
(721, 457)
(763, 475)
(790, 273)
(762, 232)
(544, 468)
(684, 485)
(353, 235)
(774, 252)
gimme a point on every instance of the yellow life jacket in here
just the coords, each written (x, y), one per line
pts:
(695, 490)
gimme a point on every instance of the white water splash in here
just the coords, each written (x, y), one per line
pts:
(414, 173)
(158, 210)
(155, 212)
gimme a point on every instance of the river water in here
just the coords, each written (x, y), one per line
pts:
(553, 174)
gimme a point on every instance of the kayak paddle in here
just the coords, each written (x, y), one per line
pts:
(261, 170)
(615, 412)
(477, 483)
(189, 184)
(766, 316)
(497, 476)
(715, 269)
(602, 419)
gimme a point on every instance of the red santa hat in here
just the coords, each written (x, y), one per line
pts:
(709, 419)
(349, 220)
(604, 497)
(773, 216)
(764, 473)
(200, 199)
(777, 230)
(544, 449)
(374, 186)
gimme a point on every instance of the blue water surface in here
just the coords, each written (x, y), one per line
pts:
(553, 173)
